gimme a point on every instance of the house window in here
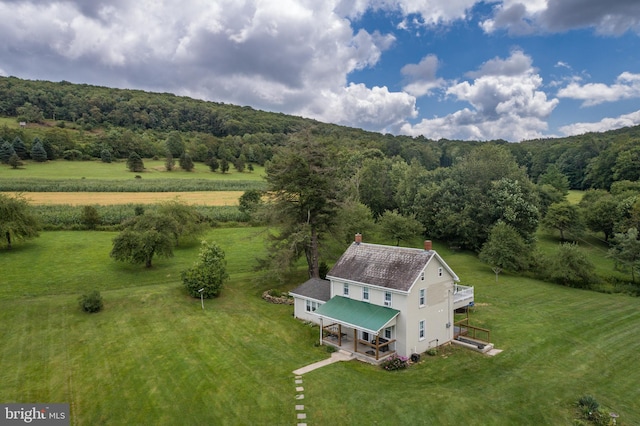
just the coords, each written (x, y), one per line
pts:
(312, 306)
(365, 336)
(423, 297)
(421, 330)
(387, 333)
(387, 298)
(422, 276)
(365, 293)
(345, 290)
(439, 272)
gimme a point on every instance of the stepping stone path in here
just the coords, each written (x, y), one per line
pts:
(301, 416)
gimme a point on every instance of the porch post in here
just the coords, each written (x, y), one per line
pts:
(321, 330)
(339, 334)
(377, 345)
(355, 340)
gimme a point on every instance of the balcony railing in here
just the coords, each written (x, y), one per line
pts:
(462, 295)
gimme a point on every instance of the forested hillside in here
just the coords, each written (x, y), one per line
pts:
(454, 191)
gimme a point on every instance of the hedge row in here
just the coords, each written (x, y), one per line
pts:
(70, 217)
(132, 185)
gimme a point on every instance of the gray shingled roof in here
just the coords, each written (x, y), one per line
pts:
(385, 266)
(315, 288)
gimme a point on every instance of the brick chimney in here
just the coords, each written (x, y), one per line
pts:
(358, 238)
(427, 245)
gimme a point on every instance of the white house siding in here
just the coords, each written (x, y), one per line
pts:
(437, 313)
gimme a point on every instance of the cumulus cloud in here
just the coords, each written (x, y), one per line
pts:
(609, 123)
(506, 104)
(423, 12)
(422, 77)
(627, 86)
(374, 109)
(283, 55)
(520, 17)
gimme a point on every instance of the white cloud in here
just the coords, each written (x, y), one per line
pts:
(422, 77)
(506, 104)
(520, 17)
(285, 55)
(429, 12)
(627, 86)
(609, 123)
(372, 109)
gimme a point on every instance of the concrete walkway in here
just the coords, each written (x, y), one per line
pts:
(335, 357)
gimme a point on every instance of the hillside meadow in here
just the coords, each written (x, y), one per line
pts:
(153, 356)
(154, 169)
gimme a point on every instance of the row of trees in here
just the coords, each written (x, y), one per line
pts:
(320, 194)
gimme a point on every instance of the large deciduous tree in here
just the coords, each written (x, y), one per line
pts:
(563, 217)
(505, 249)
(304, 196)
(16, 220)
(145, 236)
(399, 227)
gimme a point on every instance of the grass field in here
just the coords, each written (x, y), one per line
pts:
(154, 169)
(206, 198)
(154, 357)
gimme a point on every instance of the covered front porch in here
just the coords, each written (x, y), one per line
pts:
(361, 328)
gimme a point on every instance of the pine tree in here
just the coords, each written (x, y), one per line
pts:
(20, 149)
(14, 161)
(6, 151)
(38, 152)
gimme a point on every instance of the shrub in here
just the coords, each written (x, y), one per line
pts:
(395, 362)
(91, 302)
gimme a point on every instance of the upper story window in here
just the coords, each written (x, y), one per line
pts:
(423, 297)
(439, 272)
(422, 276)
(387, 298)
(345, 290)
(365, 293)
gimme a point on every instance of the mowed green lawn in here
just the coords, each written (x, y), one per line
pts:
(154, 169)
(154, 357)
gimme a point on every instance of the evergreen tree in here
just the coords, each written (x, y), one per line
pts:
(49, 149)
(38, 152)
(134, 163)
(20, 149)
(14, 161)
(6, 151)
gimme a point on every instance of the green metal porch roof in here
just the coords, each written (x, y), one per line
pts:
(354, 313)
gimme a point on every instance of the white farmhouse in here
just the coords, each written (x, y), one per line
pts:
(379, 300)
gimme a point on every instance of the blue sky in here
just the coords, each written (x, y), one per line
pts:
(456, 69)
